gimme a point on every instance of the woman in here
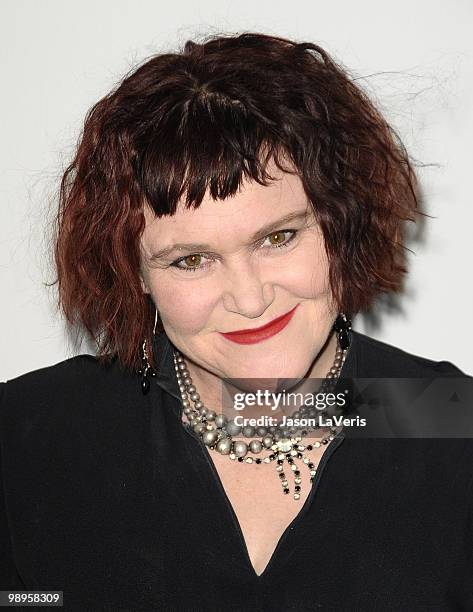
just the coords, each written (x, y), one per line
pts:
(229, 209)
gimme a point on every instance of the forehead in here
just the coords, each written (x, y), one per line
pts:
(251, 207)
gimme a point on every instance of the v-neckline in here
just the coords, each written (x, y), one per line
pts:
(166, 379)
(336, 442)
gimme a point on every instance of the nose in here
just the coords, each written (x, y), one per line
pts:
(246, 293)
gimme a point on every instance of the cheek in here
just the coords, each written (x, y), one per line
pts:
(181, 307)
(306, 273)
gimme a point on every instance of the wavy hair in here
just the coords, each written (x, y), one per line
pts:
(202, 119)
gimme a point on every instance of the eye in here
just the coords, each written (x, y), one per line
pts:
(192, 262)
(279, 238)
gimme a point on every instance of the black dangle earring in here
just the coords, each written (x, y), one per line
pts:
(342, 325)
(146, 369)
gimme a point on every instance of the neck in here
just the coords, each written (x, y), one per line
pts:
(324, 360)
(209, 385)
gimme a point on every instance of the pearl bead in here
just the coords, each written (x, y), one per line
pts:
(209, 437)
(224, 446)
(256, 446)
(220, 420)
(240, 448)
(232, 429)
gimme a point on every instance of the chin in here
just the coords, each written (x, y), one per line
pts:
(270, 374)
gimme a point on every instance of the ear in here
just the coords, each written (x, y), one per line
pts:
(144, 286)
(332, 304)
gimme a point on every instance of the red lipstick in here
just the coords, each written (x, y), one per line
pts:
(251, 336)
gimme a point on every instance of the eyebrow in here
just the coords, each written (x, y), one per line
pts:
(261, 233)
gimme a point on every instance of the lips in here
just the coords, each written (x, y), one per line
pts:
(251, 336)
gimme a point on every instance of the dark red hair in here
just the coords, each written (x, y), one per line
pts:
(202, 119)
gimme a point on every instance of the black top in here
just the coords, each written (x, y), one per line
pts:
(109, 498)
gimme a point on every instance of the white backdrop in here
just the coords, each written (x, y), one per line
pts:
(58, 58)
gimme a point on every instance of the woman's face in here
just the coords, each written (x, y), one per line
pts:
(235, 280)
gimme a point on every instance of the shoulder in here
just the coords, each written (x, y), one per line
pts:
(70, 375)
(80, 364)
(377, 359)
(80, 383)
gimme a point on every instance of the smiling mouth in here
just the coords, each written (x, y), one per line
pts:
(251, 336)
